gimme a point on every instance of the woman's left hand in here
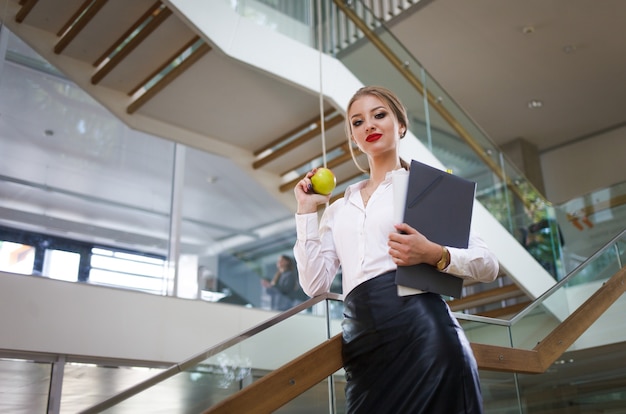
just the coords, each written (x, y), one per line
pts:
(409, 247)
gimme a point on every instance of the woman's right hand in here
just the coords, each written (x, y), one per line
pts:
(307, 199)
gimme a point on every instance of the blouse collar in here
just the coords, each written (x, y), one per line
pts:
(356, 187)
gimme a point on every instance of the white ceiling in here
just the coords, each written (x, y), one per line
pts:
(479, 52)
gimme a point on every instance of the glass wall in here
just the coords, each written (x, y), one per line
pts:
(85, 198)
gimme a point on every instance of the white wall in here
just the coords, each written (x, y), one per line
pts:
(44, 315)
(585, 166)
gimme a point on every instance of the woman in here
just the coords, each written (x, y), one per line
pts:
(283, 286)
(402, 354)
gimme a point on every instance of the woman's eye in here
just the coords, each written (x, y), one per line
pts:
(380, 115)
(357, 123)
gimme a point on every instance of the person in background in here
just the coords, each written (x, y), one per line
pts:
(401, 354)
(284, 285)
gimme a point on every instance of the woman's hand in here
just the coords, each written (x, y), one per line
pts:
(409, 247)
(307, 199)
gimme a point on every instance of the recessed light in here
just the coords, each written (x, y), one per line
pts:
(535, 103)
(569, 49)
(528, 29)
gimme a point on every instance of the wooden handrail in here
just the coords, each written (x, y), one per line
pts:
(284, 384)
(564, 335)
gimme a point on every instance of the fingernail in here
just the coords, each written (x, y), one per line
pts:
(310, 186)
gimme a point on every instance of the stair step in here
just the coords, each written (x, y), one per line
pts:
(486, 297)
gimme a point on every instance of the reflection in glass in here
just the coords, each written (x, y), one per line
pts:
(88, 384)
(16, 257)
(61, 265)
(27, 383)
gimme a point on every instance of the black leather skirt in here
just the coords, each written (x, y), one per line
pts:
(405, 354)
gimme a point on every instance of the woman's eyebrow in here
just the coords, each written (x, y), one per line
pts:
(371, 110)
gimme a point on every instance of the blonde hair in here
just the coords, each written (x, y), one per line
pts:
(394, 104)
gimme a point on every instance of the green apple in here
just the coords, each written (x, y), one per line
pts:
(323, 181)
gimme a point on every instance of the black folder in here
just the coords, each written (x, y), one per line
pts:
(439, 205)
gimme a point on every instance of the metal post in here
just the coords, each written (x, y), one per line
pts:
(178, 181)
(332, 403)
(56, 385)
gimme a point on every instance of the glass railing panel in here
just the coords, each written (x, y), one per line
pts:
(77, 177)
(589, 221)
(589, 376)
(538, 230)
(87, 384)
(499, 391)
(315, 399)
(229, 258)
(335, 314)
(24, 386)
(483, 330)
(291, 18)
(531, 326)
(227, 369)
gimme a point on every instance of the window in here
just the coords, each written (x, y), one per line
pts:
(16, 257)
(127, 270)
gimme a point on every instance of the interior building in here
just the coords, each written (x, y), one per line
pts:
(149, 152)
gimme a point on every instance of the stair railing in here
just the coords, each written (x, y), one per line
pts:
(293, 378)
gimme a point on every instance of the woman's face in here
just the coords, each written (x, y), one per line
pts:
(282, 264)
(374, 127)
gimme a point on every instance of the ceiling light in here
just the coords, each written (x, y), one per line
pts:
(535, 103)
(528, 29)
(569, 49)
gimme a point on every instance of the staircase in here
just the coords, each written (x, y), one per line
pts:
(154, 70)
(539, 368)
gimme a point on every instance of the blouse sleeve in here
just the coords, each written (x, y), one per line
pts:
(314, 252)
(476, 262)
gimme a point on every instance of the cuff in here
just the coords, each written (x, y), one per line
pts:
(306, 226)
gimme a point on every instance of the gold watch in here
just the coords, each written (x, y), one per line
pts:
(445, 258)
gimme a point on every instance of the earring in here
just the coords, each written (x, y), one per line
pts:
(402, 133)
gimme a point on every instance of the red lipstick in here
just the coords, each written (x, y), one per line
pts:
(373, 137)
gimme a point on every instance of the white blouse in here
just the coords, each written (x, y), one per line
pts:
(355, 237)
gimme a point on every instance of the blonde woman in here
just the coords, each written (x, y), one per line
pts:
(402, 354)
